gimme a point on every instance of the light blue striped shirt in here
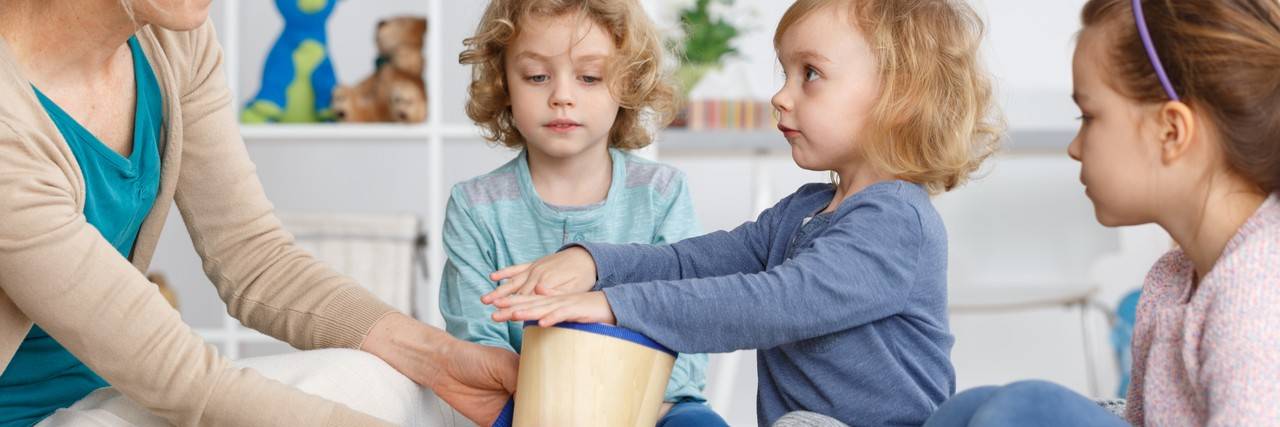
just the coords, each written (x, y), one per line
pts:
(498, 219)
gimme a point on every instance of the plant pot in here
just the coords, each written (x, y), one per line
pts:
(688, 76)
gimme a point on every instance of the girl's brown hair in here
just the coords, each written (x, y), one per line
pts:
(935, 121)
(635, 75)
(1223, 58)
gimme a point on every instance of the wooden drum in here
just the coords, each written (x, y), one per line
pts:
(575, 374)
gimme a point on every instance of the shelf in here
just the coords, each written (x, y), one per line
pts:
(248, 31)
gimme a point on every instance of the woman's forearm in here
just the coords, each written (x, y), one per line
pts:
(411, 347)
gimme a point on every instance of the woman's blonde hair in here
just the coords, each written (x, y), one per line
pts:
(635, 74)
(934, 122)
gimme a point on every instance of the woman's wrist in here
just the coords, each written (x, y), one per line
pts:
(415, 349)
(475, 380)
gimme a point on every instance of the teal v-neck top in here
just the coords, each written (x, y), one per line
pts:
(119, 191)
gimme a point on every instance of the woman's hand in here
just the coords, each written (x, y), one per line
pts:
(589, 307)
(569, 271)
(475, 380)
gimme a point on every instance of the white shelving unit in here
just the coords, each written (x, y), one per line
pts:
(432, 133)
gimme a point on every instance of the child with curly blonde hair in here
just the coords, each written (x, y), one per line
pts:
(574, 85)
(841, 286)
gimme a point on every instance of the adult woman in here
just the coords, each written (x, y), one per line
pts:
(112, 109)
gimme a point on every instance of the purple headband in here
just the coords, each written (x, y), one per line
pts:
(1151, 50)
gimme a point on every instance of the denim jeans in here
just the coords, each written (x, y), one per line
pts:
(1024, 403)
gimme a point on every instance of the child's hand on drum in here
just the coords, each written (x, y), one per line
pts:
(569, 271)
(589, 307)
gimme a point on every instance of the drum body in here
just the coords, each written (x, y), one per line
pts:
(590, 375)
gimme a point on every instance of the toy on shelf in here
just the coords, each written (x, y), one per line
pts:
(298, 78)
(396, 91)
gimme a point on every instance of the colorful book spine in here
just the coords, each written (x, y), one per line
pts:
(728, 114)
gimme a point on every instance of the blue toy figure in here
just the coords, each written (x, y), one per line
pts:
(298, 79)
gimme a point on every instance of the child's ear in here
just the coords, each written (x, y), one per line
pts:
(1178, 127)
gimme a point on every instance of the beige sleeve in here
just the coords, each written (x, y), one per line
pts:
(267, 282)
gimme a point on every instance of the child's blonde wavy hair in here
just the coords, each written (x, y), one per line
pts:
(934, 122)
(635, 74)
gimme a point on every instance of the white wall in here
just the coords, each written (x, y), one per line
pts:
(1026, 224)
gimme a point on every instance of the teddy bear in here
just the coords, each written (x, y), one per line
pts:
(396, 91)
(387, 96)
(400, 41)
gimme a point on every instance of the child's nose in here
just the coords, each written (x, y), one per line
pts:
(781, 101)
(562, 96)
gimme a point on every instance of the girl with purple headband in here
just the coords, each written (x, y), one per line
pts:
(1181, 128)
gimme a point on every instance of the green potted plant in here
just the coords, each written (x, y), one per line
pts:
(707, 40)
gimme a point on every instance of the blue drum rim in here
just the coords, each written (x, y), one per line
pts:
(611, 331)
(507, 417)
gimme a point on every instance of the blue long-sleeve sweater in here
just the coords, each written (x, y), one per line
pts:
(847, 309)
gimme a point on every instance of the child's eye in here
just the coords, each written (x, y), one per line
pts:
(540, 78)
(1084, 118)
(590, 79)
(810, 74)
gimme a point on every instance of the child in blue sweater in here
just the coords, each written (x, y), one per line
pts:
(841, 287)
(567, 82)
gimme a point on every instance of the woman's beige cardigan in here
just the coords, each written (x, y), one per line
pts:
(58, 271)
